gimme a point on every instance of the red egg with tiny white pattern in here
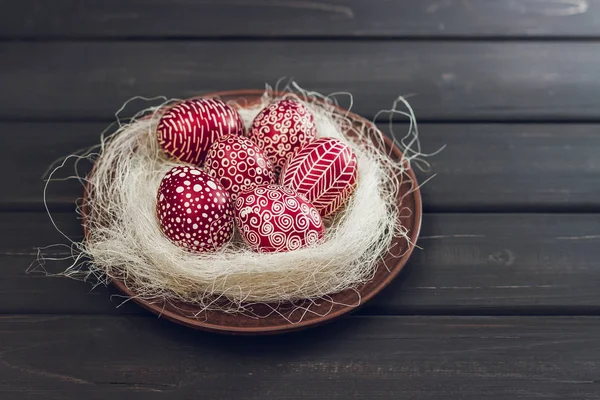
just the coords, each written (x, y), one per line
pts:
(238, 164)
(194, 211)
(186, 130)
(281, 129)
(273, 218)
(325, 172)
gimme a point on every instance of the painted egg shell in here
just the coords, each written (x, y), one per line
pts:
(194, 210)
(273, 218)
(187, 130)
(325, 172)
(238, 164)
(281, 129)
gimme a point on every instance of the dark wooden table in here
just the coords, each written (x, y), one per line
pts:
(503, 302)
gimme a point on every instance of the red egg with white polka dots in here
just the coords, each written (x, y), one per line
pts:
(273, 218)
(187, 130)
(281, 129)
(238, 164)
(194, 211)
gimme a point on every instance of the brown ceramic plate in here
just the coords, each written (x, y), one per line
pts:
(276, 318)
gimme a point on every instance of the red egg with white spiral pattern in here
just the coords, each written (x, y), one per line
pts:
(238, 164)
(194, 211)
(273, 218)
(325, 172)
(281, 129)
(187, 130)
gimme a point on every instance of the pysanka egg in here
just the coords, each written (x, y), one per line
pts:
(273, 218)
(187, 130)
(281, 129)
(194, 210)
(325, 172)
(238, 164)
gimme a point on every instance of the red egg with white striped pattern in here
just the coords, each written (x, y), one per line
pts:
(281, 129)
(187, 130)
(325, 172)
(273, 218)
(194, 210)
(238, 164)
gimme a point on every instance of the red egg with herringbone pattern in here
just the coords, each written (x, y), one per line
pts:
(281, 129)
(325, 172)
(194, 210)
(187, 130)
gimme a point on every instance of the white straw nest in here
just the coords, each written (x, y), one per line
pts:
(124, 240)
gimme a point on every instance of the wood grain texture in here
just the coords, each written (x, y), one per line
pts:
(449, 80)
(506, 167)
(269, 18)
(501, 167)
(470, 263)
(74, 357)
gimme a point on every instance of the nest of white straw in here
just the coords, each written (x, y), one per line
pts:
(124, 240)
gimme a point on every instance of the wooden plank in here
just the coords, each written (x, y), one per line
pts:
(267, 18)
(470, 263)
(450, 80)
(74, 357)
(38, 146)
(523, 167)
(505, 167)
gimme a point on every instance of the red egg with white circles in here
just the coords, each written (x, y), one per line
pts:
(194, 211)
(187, 130)
(238, 164)
(273, 218)
(281, 129)
(325, 172)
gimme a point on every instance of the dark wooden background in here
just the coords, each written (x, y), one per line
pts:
(503, 302)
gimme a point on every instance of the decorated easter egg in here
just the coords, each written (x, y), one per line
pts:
(273, 218)
(325, 172)
(194, 210)
(187, 130)
(238, 164)
(281, 129)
